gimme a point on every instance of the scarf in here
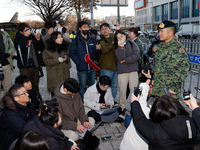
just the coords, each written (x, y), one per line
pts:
(102, 94)
(2, 46)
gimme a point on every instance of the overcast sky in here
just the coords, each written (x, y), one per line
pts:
(8, 9)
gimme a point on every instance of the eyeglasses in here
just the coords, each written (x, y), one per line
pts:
(26, 93)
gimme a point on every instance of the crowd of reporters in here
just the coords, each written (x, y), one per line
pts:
(55, 125)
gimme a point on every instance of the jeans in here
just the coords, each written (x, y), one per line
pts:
(114, 80)
(85, 77)
(127, 121)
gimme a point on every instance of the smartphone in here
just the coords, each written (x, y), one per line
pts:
(113, 26)
(106, 138)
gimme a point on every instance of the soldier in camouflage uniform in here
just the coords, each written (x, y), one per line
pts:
(171, 62)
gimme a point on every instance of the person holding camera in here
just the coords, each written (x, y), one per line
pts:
(17, 112)
(127, 54)
(56, 58)
(27, 46)
(6, 51)
(47, 125)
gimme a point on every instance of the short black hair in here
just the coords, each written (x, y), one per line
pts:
(48, 24)
(22, 26)
(21, 79)
(105, 80)
(81, 23)
(104, 24)
(115, 37)
(71, 85)
(93, 31)
(165, 108)
(49, 115)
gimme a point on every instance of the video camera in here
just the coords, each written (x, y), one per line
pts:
(62, 30)
(38, 31)
(51, 103)
(99, 38)
(137, 91)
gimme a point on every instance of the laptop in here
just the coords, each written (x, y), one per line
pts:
(89, 142)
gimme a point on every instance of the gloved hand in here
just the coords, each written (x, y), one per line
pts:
(4, 56)
(60, 59)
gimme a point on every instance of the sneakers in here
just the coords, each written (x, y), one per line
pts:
(123, 112)
(116, 103)
(119, 120)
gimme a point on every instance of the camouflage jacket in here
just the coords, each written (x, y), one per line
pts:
(171, 67)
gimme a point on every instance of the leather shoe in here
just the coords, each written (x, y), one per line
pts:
(119, 120)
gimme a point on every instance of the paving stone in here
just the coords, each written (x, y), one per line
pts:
(112, 135)
(115, 124)
(121, 129)
(105, 146)
(116, 144)
(119, 136)
(111, 130)
(100, 131)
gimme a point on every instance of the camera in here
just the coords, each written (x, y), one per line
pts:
(186, 95)
(146, 67)
(61, 30)
(113, 26)
(38, 31)
(51, 103)
(137, 91)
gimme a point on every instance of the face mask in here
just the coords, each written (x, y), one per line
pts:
(85, 32)
(121, 42)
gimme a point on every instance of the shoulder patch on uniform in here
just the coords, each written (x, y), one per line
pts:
(181, 50)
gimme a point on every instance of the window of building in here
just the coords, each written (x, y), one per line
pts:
(174, 10)
(195, 10)
(186, 9)
(157, 13)
(165, 12)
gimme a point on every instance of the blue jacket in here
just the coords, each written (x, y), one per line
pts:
(80, 47)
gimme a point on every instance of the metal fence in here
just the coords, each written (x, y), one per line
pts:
(192, 81)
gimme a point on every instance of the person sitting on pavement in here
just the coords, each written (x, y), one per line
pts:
(17, 112)
(31, 140)
(143, 99)
(25, 81)
(71, 109)
(47, 124)
(99, 96)
(169, 128)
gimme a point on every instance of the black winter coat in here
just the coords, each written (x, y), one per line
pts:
(12, 122)
(22, 40)
(178, 133)
(56, 139)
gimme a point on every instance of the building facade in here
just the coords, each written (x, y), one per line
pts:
(124, 21)
(148, 14)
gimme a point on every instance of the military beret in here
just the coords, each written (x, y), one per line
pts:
(166, 24)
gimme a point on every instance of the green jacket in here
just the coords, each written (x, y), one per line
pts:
(139, 44)
(9, 47)
(56, 71)
(107, 58)
(171, 67)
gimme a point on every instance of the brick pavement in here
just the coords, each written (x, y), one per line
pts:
(116, 130)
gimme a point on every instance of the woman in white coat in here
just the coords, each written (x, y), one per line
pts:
(97, 97)
(132, 139)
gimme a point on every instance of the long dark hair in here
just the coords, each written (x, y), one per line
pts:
(115, 37)
(31, 140)
(165, 108)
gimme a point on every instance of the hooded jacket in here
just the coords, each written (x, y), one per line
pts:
(131, 54)
(178, 133)
(12, 121)
(80, 47)
(21, 40)
(56, 71)
(70, 107)
(56, 138)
